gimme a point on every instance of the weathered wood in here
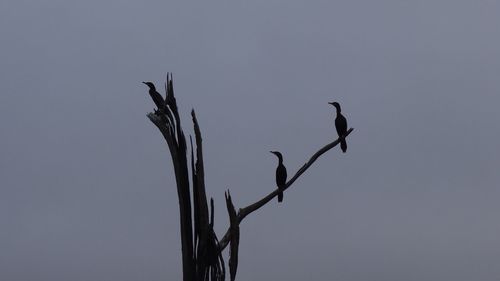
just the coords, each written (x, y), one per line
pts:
(243, 212)
(205, 239)
(168, 122)
(196, 212)
(234, 229)
(202, 258)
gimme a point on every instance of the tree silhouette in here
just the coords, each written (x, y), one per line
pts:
(202, 252)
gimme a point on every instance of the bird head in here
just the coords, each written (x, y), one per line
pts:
(150, 85)
(277, 153)
(336, 104)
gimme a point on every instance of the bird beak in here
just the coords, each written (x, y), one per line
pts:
(144, 83)
(328, 103)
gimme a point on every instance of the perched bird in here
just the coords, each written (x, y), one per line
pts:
(280, 175)
(157, 98)
(341, 126)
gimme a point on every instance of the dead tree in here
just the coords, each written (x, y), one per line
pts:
(201, 251)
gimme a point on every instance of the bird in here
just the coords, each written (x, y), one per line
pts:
(341, 126)
(280, 175)
(157, 98)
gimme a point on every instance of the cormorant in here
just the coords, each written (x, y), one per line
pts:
(157, 98)
(280, 175)
(341, 126)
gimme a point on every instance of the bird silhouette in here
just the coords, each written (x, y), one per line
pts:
(280, 175)
(157, 98)
(341, 126)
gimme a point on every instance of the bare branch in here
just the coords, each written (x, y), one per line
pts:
(243, 212)
(168, 122)
(202, 258)
(235, 236)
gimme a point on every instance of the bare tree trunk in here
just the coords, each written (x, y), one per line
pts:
(202, 252)
(168, 121)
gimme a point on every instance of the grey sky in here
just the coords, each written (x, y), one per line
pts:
(86, 185)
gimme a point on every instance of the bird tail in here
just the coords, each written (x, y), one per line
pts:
(280, 196)
(343, 144)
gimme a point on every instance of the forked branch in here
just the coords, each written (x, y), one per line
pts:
(243, 212)
(201, 251)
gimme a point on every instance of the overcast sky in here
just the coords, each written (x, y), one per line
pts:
(86, 185)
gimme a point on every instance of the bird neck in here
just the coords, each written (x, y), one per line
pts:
(338, 111)
(280, 159)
